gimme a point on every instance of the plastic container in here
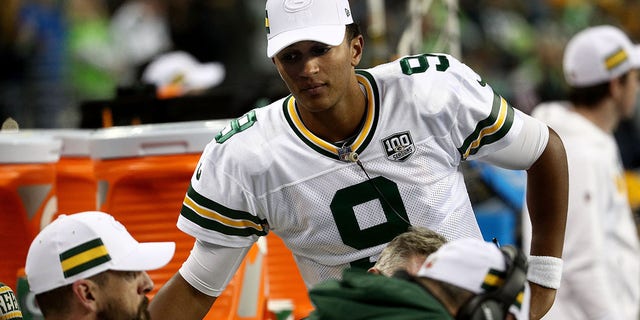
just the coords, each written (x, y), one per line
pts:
(76, 184)
(75, 181)
(27, 195)
(285, 281)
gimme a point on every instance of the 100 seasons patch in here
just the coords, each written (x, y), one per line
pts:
(398, 146)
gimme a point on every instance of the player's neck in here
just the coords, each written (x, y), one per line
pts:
(341, 121)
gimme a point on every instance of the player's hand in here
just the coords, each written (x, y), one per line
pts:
(541, 300)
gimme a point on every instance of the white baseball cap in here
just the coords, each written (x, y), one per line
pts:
(81, 245)
(476, 266)
(182, 69)
(598, 54)
(290, 21)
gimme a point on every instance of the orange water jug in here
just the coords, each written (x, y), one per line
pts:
(27, 195)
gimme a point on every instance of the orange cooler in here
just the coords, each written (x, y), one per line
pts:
(143, 173)
(76, 184)
(285, 281)
(27, 195)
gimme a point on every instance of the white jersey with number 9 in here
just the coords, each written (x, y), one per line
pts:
(267, 173)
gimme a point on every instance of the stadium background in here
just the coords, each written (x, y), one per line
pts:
(515, 45)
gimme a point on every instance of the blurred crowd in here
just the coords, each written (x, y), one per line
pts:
(58, 54)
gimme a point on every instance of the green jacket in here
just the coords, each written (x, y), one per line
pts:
(362, 295)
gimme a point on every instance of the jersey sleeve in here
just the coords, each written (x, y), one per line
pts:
(218, 207)
(457, 106)
(482, 120)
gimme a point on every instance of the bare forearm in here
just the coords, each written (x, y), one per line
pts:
(177, 299)
(547, 199)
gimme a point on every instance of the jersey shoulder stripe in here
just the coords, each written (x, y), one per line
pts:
(211, 215)
(491, 129)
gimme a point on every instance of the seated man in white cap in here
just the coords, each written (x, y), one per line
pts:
(87, 266)
(464, 279)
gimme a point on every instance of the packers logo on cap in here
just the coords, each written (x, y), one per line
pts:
(84, 257)
(266, 21)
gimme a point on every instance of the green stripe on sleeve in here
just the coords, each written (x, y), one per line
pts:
(211, 215)
(498, 134)
(477, 139)
(214, 225)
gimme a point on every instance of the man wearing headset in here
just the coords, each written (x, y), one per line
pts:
(464, 279)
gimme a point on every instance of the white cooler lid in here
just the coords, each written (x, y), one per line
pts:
(18, 147)
(154, 139)
(75, 142)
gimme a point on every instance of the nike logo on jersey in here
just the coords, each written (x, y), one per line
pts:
(398, 146)
(482, 83)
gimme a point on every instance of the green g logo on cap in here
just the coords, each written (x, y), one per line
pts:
(296, 5)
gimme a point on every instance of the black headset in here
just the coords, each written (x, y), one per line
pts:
(494, 304)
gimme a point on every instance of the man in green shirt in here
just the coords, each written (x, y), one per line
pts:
(464, 279)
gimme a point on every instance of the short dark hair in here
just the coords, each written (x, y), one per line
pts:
(56, 301)
(592, 95)
(353, 30)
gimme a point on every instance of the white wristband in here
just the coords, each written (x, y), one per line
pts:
(545, 271)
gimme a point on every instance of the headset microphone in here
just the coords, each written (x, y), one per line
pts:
(9, 308)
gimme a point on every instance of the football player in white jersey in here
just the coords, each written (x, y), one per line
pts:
(353, 158)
